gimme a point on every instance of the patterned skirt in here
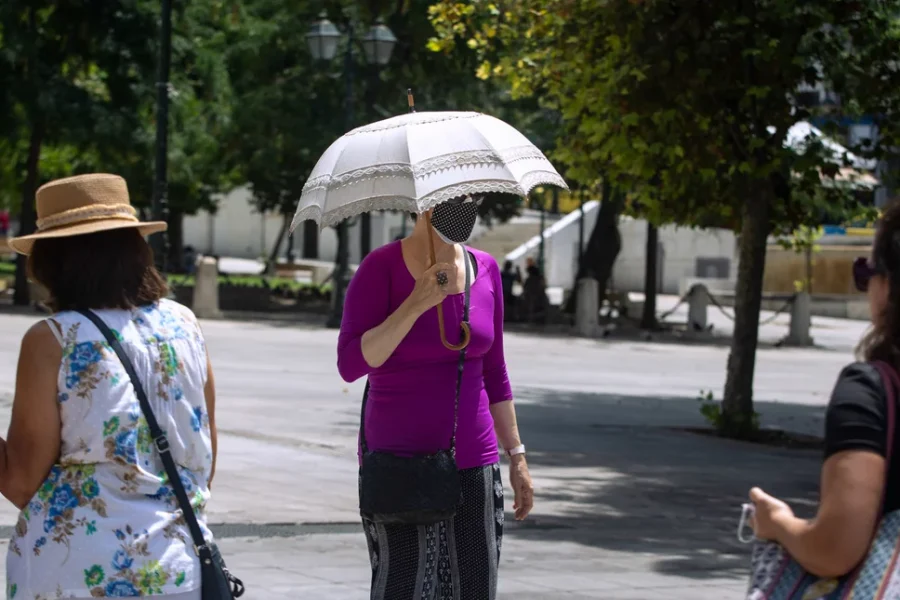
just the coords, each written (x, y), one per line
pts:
(455, 559)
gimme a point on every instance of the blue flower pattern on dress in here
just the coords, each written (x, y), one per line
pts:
(87, 531)
(121, 560)
(197, 418)
(121, 589)
(126, 445)
(82, 362)
(61, 500)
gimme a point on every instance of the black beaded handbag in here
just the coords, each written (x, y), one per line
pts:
(217, 582)
(417, 490)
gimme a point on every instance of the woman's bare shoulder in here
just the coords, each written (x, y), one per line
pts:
(40, 346)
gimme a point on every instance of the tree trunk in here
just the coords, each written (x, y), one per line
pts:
(176, 241)
(276, 249)
(310, 240)
(603, 246)
(27, 216)
(738, 418)
(651, 281)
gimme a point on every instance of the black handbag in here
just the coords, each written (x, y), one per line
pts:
(418, 490)
(217, 582)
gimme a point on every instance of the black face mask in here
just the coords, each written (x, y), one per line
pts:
(454, 221)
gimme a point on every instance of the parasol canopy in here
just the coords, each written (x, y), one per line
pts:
(414, 162)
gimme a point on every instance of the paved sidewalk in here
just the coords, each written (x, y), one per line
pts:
(627, 506)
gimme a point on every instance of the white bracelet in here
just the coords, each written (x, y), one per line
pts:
(520, 449)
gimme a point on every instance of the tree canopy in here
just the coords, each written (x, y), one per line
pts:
(688, 106)
(679, 103)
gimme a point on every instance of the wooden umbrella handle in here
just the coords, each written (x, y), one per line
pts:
(466, 332)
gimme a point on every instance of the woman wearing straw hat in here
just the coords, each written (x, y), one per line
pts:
(98, 517)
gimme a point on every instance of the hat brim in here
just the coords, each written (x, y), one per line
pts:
(25, 243)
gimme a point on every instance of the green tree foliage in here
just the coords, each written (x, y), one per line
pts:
(291, 108)
(69, 75)
(687, 105)
(201, 112)
(78, 81)
(288, 107)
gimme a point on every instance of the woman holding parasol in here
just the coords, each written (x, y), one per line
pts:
(423, 320)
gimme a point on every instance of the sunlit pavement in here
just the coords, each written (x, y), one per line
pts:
(627, 505)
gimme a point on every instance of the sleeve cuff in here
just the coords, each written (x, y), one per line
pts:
(497, 387)
(351, 363)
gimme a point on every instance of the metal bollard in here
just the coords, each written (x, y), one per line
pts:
(587, 313)
(206, 289)
(801, 321)
(698, 302)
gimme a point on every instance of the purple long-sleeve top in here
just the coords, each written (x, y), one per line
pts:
(410, 407)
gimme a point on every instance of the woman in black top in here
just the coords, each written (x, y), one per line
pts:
(853, 474)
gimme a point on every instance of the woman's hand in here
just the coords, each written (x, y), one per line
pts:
(769, 516)
(520, 481)
(428, 291)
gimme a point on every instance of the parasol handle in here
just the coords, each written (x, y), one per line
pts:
(466, 332)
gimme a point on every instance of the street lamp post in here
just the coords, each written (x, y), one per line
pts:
(160, 241)
(291, 256)
(378, 44)
(541, 246)
(580, 224)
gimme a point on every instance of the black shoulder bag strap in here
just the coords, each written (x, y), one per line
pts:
(159, 438)
(459, 370)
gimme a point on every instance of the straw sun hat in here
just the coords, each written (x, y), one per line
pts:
(81, 205)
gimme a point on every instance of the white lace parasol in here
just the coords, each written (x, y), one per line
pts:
(416, 161)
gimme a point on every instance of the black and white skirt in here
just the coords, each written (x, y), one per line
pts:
(451, 560)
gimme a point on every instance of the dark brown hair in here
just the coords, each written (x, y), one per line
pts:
(882, 341)
(108, 269)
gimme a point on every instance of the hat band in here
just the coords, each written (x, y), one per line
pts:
(93, 212)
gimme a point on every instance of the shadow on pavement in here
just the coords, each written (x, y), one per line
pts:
(611, 474)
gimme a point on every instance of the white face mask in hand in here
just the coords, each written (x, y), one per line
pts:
(454, 221)
(746, 514)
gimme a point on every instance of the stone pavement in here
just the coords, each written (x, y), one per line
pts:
(627, 507)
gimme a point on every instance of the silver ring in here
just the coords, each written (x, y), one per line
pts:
(442, 279)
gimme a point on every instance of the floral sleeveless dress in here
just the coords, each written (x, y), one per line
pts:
(105, 523)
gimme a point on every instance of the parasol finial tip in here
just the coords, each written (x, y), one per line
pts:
(410, 100)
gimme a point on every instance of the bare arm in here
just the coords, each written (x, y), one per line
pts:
(368, 338)
(504, 414)
(503, 411)
(852, 481)
(33, 443)
(209, 392)
(837, 539)
(379, 343)
(496, 377)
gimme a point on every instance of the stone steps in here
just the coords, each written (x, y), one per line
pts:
(504, 238)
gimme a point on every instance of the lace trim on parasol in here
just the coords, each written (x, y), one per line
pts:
(533, 179)
(427, 167)
(523, 188)
(366, 173)
(469, 189)
(476, 157)
(335, 216)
